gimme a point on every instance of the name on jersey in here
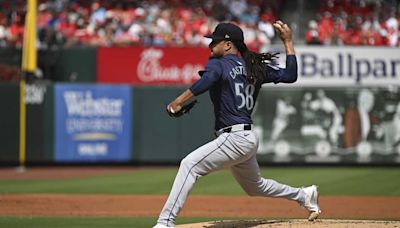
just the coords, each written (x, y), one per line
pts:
(237, 70)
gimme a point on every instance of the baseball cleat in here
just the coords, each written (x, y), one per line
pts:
(313, 215)
(311, 202)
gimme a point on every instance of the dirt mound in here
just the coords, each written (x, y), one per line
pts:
(322, 223)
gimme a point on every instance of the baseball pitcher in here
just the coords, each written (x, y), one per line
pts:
(233, 76)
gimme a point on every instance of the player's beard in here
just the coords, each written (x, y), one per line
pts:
(215, 49)
(214, 55)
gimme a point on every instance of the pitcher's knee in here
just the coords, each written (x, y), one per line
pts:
(186, 162)
(191, 166)
(196, 168)
(253, 192)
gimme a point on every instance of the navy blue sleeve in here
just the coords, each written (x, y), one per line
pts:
(285, 75)
(210, 75)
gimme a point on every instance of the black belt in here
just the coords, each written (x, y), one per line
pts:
(246, 127)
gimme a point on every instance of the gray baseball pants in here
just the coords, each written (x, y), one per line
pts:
(236, 150)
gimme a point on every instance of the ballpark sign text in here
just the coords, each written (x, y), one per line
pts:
(151, 66)
(151, 70)
(344, 66)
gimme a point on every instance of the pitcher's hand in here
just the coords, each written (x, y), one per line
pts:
(285, 32)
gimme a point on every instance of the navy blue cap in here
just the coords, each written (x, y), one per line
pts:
(227, 31)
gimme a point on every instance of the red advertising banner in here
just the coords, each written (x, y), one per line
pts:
(150, 66)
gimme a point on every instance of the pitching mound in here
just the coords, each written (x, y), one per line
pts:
(325, 223)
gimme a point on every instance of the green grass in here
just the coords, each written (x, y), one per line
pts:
(331, 181)
(85, 222)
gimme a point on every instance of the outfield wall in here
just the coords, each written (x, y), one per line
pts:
(95, 123)
(83, 117)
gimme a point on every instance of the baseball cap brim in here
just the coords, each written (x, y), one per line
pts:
(201, 72)
(211, 36)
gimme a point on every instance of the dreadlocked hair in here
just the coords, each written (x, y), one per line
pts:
(254, 62)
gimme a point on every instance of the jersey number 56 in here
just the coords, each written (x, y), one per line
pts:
(245, 94)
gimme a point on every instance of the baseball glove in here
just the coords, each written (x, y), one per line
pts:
(185, 109)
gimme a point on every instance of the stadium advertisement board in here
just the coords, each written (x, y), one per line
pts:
(150, 66)
(92, 123)
(329, 125)
(38, 100)
(318, 65)
(347, 66)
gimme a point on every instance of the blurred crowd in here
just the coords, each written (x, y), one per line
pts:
(184, 22)
(356, 22)
(130, 22)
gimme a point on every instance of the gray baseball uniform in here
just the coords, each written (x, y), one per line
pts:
(236, 144)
